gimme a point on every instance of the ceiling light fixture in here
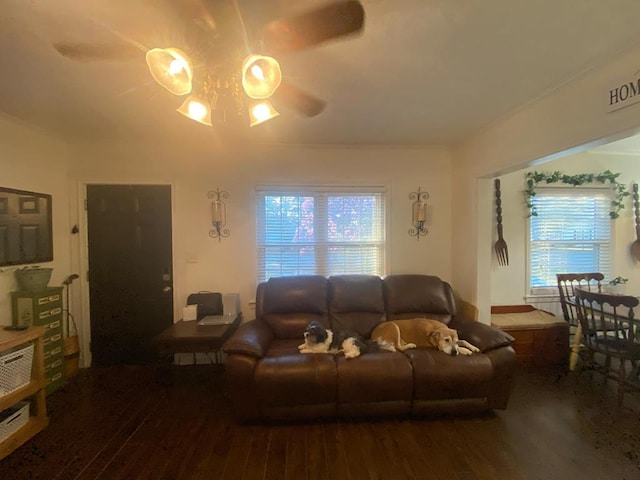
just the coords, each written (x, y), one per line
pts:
(171, 68)
(196, 109)
(261, 76)
(221, 57)
(220, 95)
(261, 111)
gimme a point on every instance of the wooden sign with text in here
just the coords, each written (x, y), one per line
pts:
(624, 94)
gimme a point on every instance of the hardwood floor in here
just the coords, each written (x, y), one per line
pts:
(118, 423)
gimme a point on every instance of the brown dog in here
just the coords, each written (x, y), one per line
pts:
(422, 332)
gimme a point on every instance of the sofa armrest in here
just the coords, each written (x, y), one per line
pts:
(485, 337)
(252, 338)
(466, 309)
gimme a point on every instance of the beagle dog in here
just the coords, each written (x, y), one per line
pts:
(422, 332)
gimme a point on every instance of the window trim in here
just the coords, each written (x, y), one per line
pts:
(547, 291)
(296, 188)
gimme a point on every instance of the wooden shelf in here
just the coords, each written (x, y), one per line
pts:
(13, 338)
(33, 426)
(35, 389)
(29, 389)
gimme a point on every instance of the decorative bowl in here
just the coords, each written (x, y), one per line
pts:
(33, 279)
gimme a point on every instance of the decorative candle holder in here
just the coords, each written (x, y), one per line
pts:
(418, 214)
(218, 214)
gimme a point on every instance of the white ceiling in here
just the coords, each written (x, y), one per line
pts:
(423, 71)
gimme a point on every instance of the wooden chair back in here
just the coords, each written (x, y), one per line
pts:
(567, 283)
(609, 327)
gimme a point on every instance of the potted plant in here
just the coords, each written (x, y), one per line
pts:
(617, 285)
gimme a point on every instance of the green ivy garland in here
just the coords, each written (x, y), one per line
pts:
(534, 178)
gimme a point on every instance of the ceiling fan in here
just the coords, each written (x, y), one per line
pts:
(224, 65)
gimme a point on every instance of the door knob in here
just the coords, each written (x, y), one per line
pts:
(166, 289)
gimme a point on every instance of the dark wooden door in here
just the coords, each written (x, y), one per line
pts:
(130, 270)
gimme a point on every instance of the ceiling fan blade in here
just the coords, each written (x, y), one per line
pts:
(312, 28)
(84, 52)
(295, 99)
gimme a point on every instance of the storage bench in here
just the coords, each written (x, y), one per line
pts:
(541, 338)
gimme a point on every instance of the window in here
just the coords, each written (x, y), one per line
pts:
(324, 231)
(570, 234)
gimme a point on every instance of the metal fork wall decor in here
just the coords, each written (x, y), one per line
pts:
(502, 252)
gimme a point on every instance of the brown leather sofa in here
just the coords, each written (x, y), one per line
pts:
(268, 379)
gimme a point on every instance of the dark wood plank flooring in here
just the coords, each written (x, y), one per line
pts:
(118, 423)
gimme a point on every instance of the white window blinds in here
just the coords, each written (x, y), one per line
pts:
(325, 231)
(570, 234)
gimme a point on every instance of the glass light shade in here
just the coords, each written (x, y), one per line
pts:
(171, 68)
(196, 109)
(260, 112)
(261, 76)
(419, 212)
(217, 212)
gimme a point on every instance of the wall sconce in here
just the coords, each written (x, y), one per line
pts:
(418, 214)
(218, 214)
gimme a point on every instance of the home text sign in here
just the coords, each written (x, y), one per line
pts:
(624, 94)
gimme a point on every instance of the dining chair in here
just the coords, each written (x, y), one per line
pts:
(567, 283)
(609, 328)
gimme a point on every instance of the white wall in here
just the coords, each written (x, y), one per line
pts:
(567, 120)
(459, 251)
(30, 160)
(508, 284)
(203, 263)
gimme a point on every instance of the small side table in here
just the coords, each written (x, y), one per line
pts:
(189, 337)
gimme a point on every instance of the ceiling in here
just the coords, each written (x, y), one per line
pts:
(423, 71)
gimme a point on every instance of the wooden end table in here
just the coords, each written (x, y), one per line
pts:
(189, 337)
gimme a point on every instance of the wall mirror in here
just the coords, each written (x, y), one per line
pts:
(26, 230)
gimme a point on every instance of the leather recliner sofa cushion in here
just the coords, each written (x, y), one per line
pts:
(409, 296)
(285, 377)
(438, 375)
(376, 383)
(356, 303)
(290, 303)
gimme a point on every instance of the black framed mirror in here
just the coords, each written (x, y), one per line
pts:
(26, 228)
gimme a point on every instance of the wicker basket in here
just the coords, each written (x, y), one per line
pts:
(15, 369)
(13, 419)
(71, 356)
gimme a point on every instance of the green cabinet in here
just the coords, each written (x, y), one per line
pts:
(44, 309)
